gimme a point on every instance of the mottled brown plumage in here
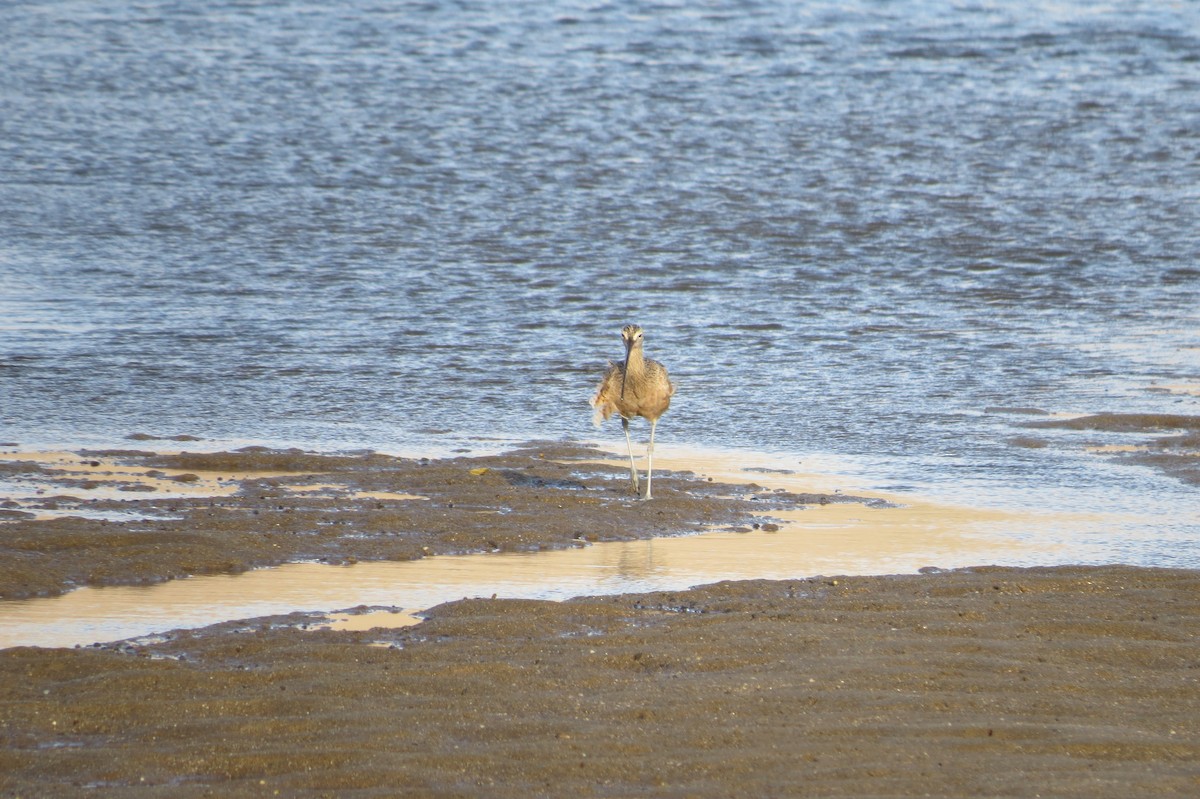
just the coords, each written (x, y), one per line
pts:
(639, 386)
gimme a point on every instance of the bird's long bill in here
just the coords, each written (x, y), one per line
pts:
(625, 366)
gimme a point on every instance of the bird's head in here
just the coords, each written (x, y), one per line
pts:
(631, 335)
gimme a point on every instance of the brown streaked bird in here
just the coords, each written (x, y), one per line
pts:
(637, 387)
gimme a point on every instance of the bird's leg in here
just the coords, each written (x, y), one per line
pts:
(650, 458)
(633, 475)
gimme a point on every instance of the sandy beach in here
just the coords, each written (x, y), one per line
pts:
(1066, 681)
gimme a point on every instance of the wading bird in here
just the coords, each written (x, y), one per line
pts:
(637, 387)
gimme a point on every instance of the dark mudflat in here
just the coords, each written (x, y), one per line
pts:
(1068, 682)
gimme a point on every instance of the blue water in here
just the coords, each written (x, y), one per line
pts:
(848, 228)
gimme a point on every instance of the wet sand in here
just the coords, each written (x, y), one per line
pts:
(1169, 443)
(1069, 681)
(136, 517)
(999, 682)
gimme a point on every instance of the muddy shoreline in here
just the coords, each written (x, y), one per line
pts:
(1067, 681)
(128, 517)
(1080, 682)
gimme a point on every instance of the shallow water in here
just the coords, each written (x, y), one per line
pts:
(107, 614)
(849, 229)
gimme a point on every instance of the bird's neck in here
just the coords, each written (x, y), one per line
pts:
(634, 362)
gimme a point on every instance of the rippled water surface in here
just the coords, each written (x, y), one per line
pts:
(849, 228)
